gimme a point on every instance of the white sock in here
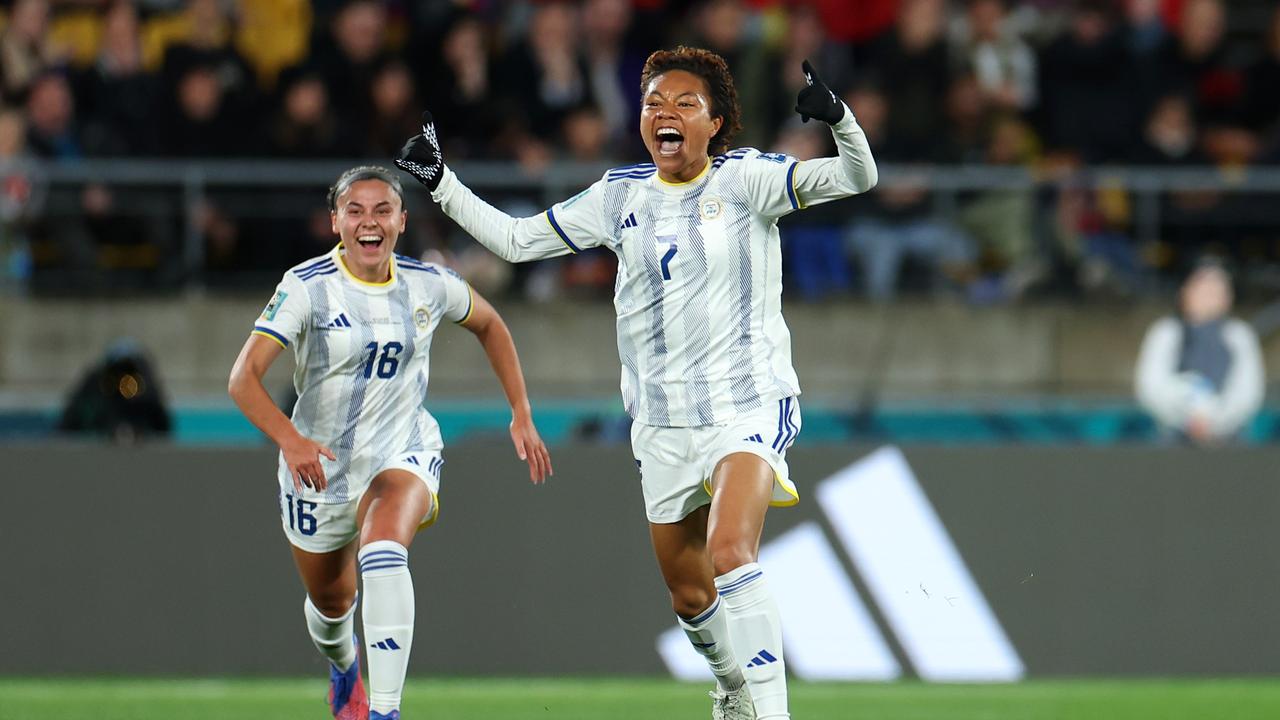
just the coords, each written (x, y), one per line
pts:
(388, 620)
(756, 632)
(332, 636)
(709, 634)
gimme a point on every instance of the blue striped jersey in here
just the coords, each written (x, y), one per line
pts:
(361, 360)
(698, 294)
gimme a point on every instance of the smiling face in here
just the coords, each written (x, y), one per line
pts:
(676, 124)
(368, 217)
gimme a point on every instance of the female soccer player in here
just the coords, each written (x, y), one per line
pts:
(706, 356)
(360, 461)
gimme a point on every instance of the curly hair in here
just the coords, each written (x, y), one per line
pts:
(714, 71)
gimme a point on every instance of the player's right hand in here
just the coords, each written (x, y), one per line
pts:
(302, 457)
(421, 156)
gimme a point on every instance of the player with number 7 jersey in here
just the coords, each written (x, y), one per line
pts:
(706, 355)
(360, 458)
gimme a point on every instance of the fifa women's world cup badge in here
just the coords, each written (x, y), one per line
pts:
(269, 312)
(422, 317)
(710, 209)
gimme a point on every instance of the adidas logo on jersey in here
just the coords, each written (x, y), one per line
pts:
(630, 222)
(764, 657)
(339, 322)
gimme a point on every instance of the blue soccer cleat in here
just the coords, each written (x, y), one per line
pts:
(375, 715)
(346, 692)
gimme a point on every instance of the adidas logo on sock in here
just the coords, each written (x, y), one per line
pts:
(630, 222)
(388, 644)
(339, 322)
(762, 658)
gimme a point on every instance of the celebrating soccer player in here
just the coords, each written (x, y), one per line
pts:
(706, 356)
(360, 461)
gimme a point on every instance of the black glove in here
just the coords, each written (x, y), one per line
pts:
(421, 156)
(816, 100)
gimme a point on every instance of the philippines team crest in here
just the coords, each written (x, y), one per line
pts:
(422, 317)
(710, 209)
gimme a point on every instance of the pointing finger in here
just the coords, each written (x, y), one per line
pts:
(810, 75)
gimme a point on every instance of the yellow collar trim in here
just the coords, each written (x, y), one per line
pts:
(705, 169)
(342, 263)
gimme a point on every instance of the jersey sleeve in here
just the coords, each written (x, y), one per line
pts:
(566, 227)
(780, 184)
(284, 319)
(769, 180)
(459, 298)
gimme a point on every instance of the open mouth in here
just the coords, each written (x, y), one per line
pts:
(369, 241)
(669, 141)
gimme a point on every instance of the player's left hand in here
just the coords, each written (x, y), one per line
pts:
(816, 99)
(531, 449)
(421, 156)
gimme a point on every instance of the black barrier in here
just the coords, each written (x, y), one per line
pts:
(159, 560)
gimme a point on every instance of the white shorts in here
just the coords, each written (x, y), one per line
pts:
(676, 463)
(325, 527)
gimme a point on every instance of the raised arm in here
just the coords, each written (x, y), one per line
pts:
(245, 387)
(495, 338)
(512, 239)
(854, 169)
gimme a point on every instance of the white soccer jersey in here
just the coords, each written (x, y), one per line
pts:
(361, 352)
(699, 287)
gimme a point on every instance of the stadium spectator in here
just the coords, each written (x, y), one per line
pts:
(1200, 374)
(199, 123)
(1087, 74)
(349, 56)
(305, 124)
(53, 129)
(21, 198)
(1261, 113)
(119, 397)
(968, 118)
(613, 64)
(911, 64)
(395, 112)
(725, 27)
(1003, 64)
(26, 50)
(1196, 63)
(479, 123)
(546, 75)
(117, 94)
(201, 37)
(897, 223)
(1144, 28)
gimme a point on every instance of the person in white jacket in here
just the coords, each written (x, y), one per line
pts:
(1200, 374)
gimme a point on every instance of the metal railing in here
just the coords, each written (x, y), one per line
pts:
(193, 183)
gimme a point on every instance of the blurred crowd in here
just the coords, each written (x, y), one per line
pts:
(1056, 86)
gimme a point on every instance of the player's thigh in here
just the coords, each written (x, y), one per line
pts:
(767, 434)
(402, 499)
(671, 474)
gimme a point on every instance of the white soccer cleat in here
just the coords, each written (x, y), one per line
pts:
(732, 705)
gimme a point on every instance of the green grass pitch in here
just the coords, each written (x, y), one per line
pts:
(547, 699)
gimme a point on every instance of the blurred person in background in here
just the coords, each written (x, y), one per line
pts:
(706, 360)
(118, 398)
(727, 28)
(305, 124)
(348, 57)
(912, 65)
(1261, 113)
(395, 109)
(1004, 65)
(546, 74)
(22, 193)
(200, 37)
(199, 123)
(117, 93)
(1144, 29)
(1086, 75)
(1000, 221)
(53, 131)
(461, 83)
(1200, 373)
(356, 486)
(613, 63)
(897, 223)
(26, 50)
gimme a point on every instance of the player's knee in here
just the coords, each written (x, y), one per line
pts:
(690, 600)
(729, 555)
(333, 604)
